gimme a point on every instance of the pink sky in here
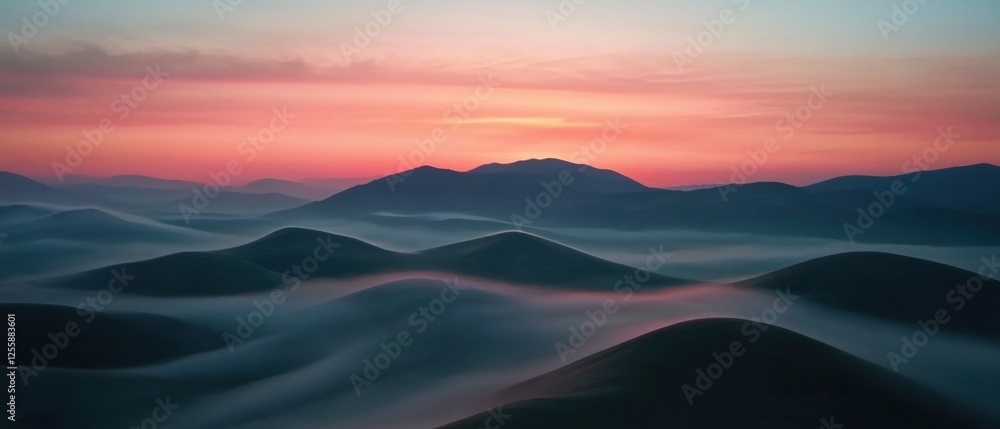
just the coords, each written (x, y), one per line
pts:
(358, 118)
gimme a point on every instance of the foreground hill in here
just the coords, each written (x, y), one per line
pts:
(784, 380)
(278, 258)
(893, 287)
(106, 339)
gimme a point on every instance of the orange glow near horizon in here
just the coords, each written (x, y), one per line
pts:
(677, 129)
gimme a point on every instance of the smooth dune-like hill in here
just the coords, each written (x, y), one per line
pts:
(21, 213)
(105, 339)
(283, 249)
(179, 274)
(270, 262)
(784, 380)
(892, 287)
(86, 225)
(520, 257)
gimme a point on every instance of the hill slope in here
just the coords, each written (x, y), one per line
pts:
(276, 259)
(958, 188)
(784, 380)
(892, 287)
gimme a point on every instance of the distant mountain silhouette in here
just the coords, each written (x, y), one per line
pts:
(159, 201)
(335, 185)
(970, 188)
(277, 186)
(125, 180)
(492, 190)
(892, 287)
(591, 178)
(261, 265)
(784, 380)
(15, 188)
(529, 194)
(107, 339)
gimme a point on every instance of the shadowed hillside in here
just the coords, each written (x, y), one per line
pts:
(784, 380)
(278, 258)
(892, 287)
(106, 339)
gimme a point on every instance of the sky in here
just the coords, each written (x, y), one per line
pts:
(669, 92)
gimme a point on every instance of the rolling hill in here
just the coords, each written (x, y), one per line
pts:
(892, 287)
(271, 262)
(783, 380)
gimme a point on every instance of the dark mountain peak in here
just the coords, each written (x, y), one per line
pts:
(982, 166)
(428, 169)
(13, 179)
(595, 179)
(533, 165)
